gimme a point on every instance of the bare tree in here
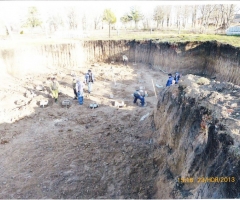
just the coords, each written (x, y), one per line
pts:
(147, 21)
(158, 15)
(186, 12)
(168, 10)
(194, 9)
(55, 22)
(97, 20)
(205, 11)
(72, 18)
(224, 14)
(84, 22)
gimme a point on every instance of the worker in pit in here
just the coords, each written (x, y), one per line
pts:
(74, 88)
(89, 79)
(170, 80)
(125, 60)
(54, 88)
(140, 94)
(177, 77)
(79, 89)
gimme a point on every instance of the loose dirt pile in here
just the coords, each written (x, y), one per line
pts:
(78, 152)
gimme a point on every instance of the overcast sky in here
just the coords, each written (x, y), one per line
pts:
(10, 10)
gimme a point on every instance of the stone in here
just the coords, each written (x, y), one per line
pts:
(234, 105)
(66, 103)
(203, 81)
(44, 102)
(39, 88)
(144, 117)
(119, 104)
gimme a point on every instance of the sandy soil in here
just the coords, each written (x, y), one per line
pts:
(77, 152)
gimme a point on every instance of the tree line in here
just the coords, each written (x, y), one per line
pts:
(162, 17)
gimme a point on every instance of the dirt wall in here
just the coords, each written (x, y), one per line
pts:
(197, 141)
(211, 59)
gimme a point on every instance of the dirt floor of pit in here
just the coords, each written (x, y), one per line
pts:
(77, 152)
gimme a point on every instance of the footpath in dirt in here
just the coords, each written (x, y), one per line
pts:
(78, 152)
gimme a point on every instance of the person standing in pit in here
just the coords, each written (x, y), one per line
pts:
(125, 60)
(177, 77)
(54, 88)
(79, 89)
(89, 79)
(74, 82)
(169, 81)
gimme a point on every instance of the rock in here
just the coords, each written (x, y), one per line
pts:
(144, 116)
(203, 81)
(44, 102)
(159, 86)
(118, 104)
(234, 105)
(39, 88)
(66, 103)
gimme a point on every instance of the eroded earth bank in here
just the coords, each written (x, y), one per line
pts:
(191, 129)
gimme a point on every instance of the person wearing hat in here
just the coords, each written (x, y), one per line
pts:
(79, 89)
(74, 88)
(169, 81)
(54, 88)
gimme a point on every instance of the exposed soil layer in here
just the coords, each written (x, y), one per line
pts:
(211, 59)
(197, 132)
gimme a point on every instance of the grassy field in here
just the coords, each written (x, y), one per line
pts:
(171, 37)
(122, 35)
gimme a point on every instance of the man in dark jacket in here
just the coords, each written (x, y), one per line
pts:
(139, 94)
(169, 81)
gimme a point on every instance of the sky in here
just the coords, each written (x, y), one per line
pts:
(10, 10)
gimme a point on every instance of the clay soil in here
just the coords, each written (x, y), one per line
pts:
(78, 152)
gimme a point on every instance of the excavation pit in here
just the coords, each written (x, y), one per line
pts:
(130, 152)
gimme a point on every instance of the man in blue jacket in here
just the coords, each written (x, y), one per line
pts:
(139, 94)
(170, 79)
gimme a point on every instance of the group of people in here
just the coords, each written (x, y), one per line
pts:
(77, 86)
(173, 80)
(140, 93)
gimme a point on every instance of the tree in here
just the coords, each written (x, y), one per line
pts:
(135, 15)
(55, 22)
(72, 18)
(97, 21)
(194, 9)
(168, 10)
(158, 15)
(124, 19)
(109, 17)
(33, 18)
